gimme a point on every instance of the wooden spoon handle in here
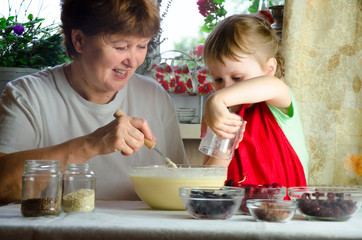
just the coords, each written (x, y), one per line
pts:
(149, 143)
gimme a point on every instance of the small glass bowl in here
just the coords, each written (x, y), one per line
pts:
(261, 192)
(271, 210)
(327, 203)
(211, 202)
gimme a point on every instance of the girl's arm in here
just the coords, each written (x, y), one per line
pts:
(215, 161)
(264, 88)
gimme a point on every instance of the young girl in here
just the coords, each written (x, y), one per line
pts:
(244, 59)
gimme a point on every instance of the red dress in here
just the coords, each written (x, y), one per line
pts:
(265, 154)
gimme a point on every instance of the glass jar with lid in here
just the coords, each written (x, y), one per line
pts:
(79, 185)
(41, 188)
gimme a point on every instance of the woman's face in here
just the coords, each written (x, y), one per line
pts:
(107, 63)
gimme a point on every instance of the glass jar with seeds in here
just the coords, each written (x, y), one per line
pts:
(79, 184)
(41, 188)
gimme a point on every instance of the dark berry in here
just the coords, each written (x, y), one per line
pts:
(230, 182)
(276, 185)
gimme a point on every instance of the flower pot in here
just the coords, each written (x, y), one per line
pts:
(10, 73)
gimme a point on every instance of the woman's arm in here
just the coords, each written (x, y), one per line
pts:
(124, 134)
(12, 165)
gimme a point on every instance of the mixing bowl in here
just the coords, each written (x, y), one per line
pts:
(211, 202)
(158, 185)
(327, 203)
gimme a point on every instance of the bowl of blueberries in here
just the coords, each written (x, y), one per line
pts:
(211, 202)
(261, 191)
(327, 203)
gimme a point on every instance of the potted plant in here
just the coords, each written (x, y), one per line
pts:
(28, 46)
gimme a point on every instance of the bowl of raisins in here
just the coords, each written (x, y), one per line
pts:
(261, 191)
(327, 203)
(211, 202)
(271, 210)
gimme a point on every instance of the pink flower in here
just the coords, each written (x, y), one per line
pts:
(206, 6)
(198, 50)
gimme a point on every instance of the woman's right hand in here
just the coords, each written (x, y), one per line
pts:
(124, 134)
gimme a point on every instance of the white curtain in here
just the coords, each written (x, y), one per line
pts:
(322, 45)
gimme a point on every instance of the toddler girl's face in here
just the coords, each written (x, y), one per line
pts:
(233, 71)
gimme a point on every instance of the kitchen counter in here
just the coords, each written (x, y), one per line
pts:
(135, 220)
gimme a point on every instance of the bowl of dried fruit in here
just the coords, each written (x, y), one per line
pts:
(327, 203)
(158, 185)
(271, 210)
(254, 191)
(211, 202)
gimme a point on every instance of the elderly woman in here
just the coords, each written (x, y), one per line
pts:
(66, 112)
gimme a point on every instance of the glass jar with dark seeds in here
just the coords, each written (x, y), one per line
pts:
(41, 188)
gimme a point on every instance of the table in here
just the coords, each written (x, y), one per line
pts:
(135, 220)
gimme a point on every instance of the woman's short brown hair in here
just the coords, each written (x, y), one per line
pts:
(246, 33)
(129, 17)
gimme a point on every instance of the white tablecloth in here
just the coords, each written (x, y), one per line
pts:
(135, 220)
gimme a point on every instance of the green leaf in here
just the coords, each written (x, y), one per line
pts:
(2, 25)
(221, 12)
(23, 61)
(254, 7)
(204, 28)
(30, 17)
(219, 1)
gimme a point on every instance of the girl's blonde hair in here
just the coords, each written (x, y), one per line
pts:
(246, 33)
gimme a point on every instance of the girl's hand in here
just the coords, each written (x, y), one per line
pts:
(219, 119)
(125, 134)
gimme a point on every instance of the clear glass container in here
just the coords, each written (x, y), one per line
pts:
(217, 147)
(41, 188)
(79, 185)
(264, 11)
(263, 5)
